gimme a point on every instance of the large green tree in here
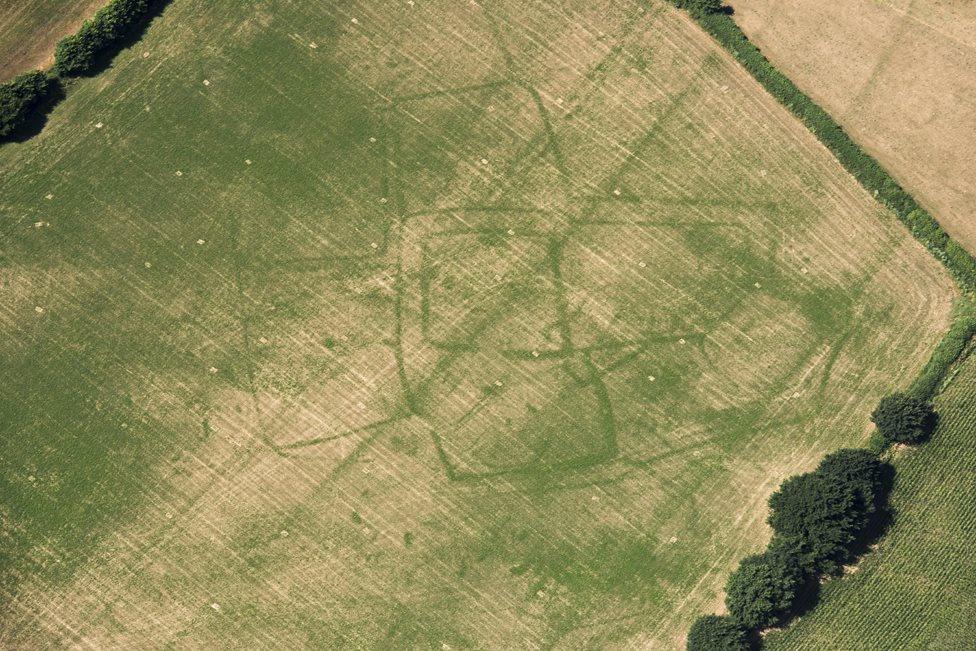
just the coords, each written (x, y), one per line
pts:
(716, 633)
(763, 588)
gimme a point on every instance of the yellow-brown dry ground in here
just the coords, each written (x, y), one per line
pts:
(898, 75)
(29, 30)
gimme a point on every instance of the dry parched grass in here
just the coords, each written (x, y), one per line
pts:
(467, 325)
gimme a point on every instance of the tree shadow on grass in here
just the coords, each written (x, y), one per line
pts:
(38, 116)
(56, 91)
(103, 60)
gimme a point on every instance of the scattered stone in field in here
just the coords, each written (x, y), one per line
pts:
(697, 453)
(796, 394)
(38, 224)
(39, 309)
(99, 125)
(374, 245)
(616, 192)
(511, 231)
(682, 342)
(497, 277)
(31, 478)
(491, 108)
(145, 55)
(724, 89)
(595, 498)
(355, 21)
(283, 533)
(535, 353)
(247, 161)
(651, 378)
(382, 199)
(169, 516)
(213, 369)
(372, 139)
(206, 82)
(763, 173)
(215, 606)
(179, 173)
(673, 539)
(48, 196)
(148, 265)
(263, 340)
(498, 383)
(484, 161)
(146, 109)
(559, 100)
(312, 45)
(201, 242)
(642, 264)
(804, 270)
(757, 286)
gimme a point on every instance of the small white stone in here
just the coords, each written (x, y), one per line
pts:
(382, 199)
(651, 378)
(31, 478)
(49, 196)
(511, 231)
(146, 109)
(215, 606)
(206, 82)
(312, 45)
(641, 264)
(595, 498)
(498, 383)
(355, 21)
(673, 539)
(484, 161)
(284, 534)
(247, 161)
(374, 245)
(38, 224)
(179, 173)
(763, 173)
(169, 516)
(616, 192)
(796, 394)
(682, 342)
(213, 369)
(758, 286)
(39, 309)
(497, 277)
(99, 125)
(371, 139)
(148, 265)
(201, 241)
(145, 55)
(263, 340)
(535, 353)
(559, 100)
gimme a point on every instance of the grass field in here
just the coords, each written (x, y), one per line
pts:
(898, 75)
(918, 589)
(30, 28)
(481, 325)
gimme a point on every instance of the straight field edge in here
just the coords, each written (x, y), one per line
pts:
(957, 342)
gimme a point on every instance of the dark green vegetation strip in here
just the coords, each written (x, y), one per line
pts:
(822, 520)
(27, 98)
(860, 164)
(916, 590)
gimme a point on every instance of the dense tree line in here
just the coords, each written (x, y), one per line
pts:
(79, 54)
(19, 97)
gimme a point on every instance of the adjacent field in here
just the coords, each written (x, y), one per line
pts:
(918, 589)
(447, 324)
(29, 30)
(898, 75)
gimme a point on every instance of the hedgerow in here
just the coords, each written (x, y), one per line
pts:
(819, 518)
(19, 97)
(861, 165)
(77, 54)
